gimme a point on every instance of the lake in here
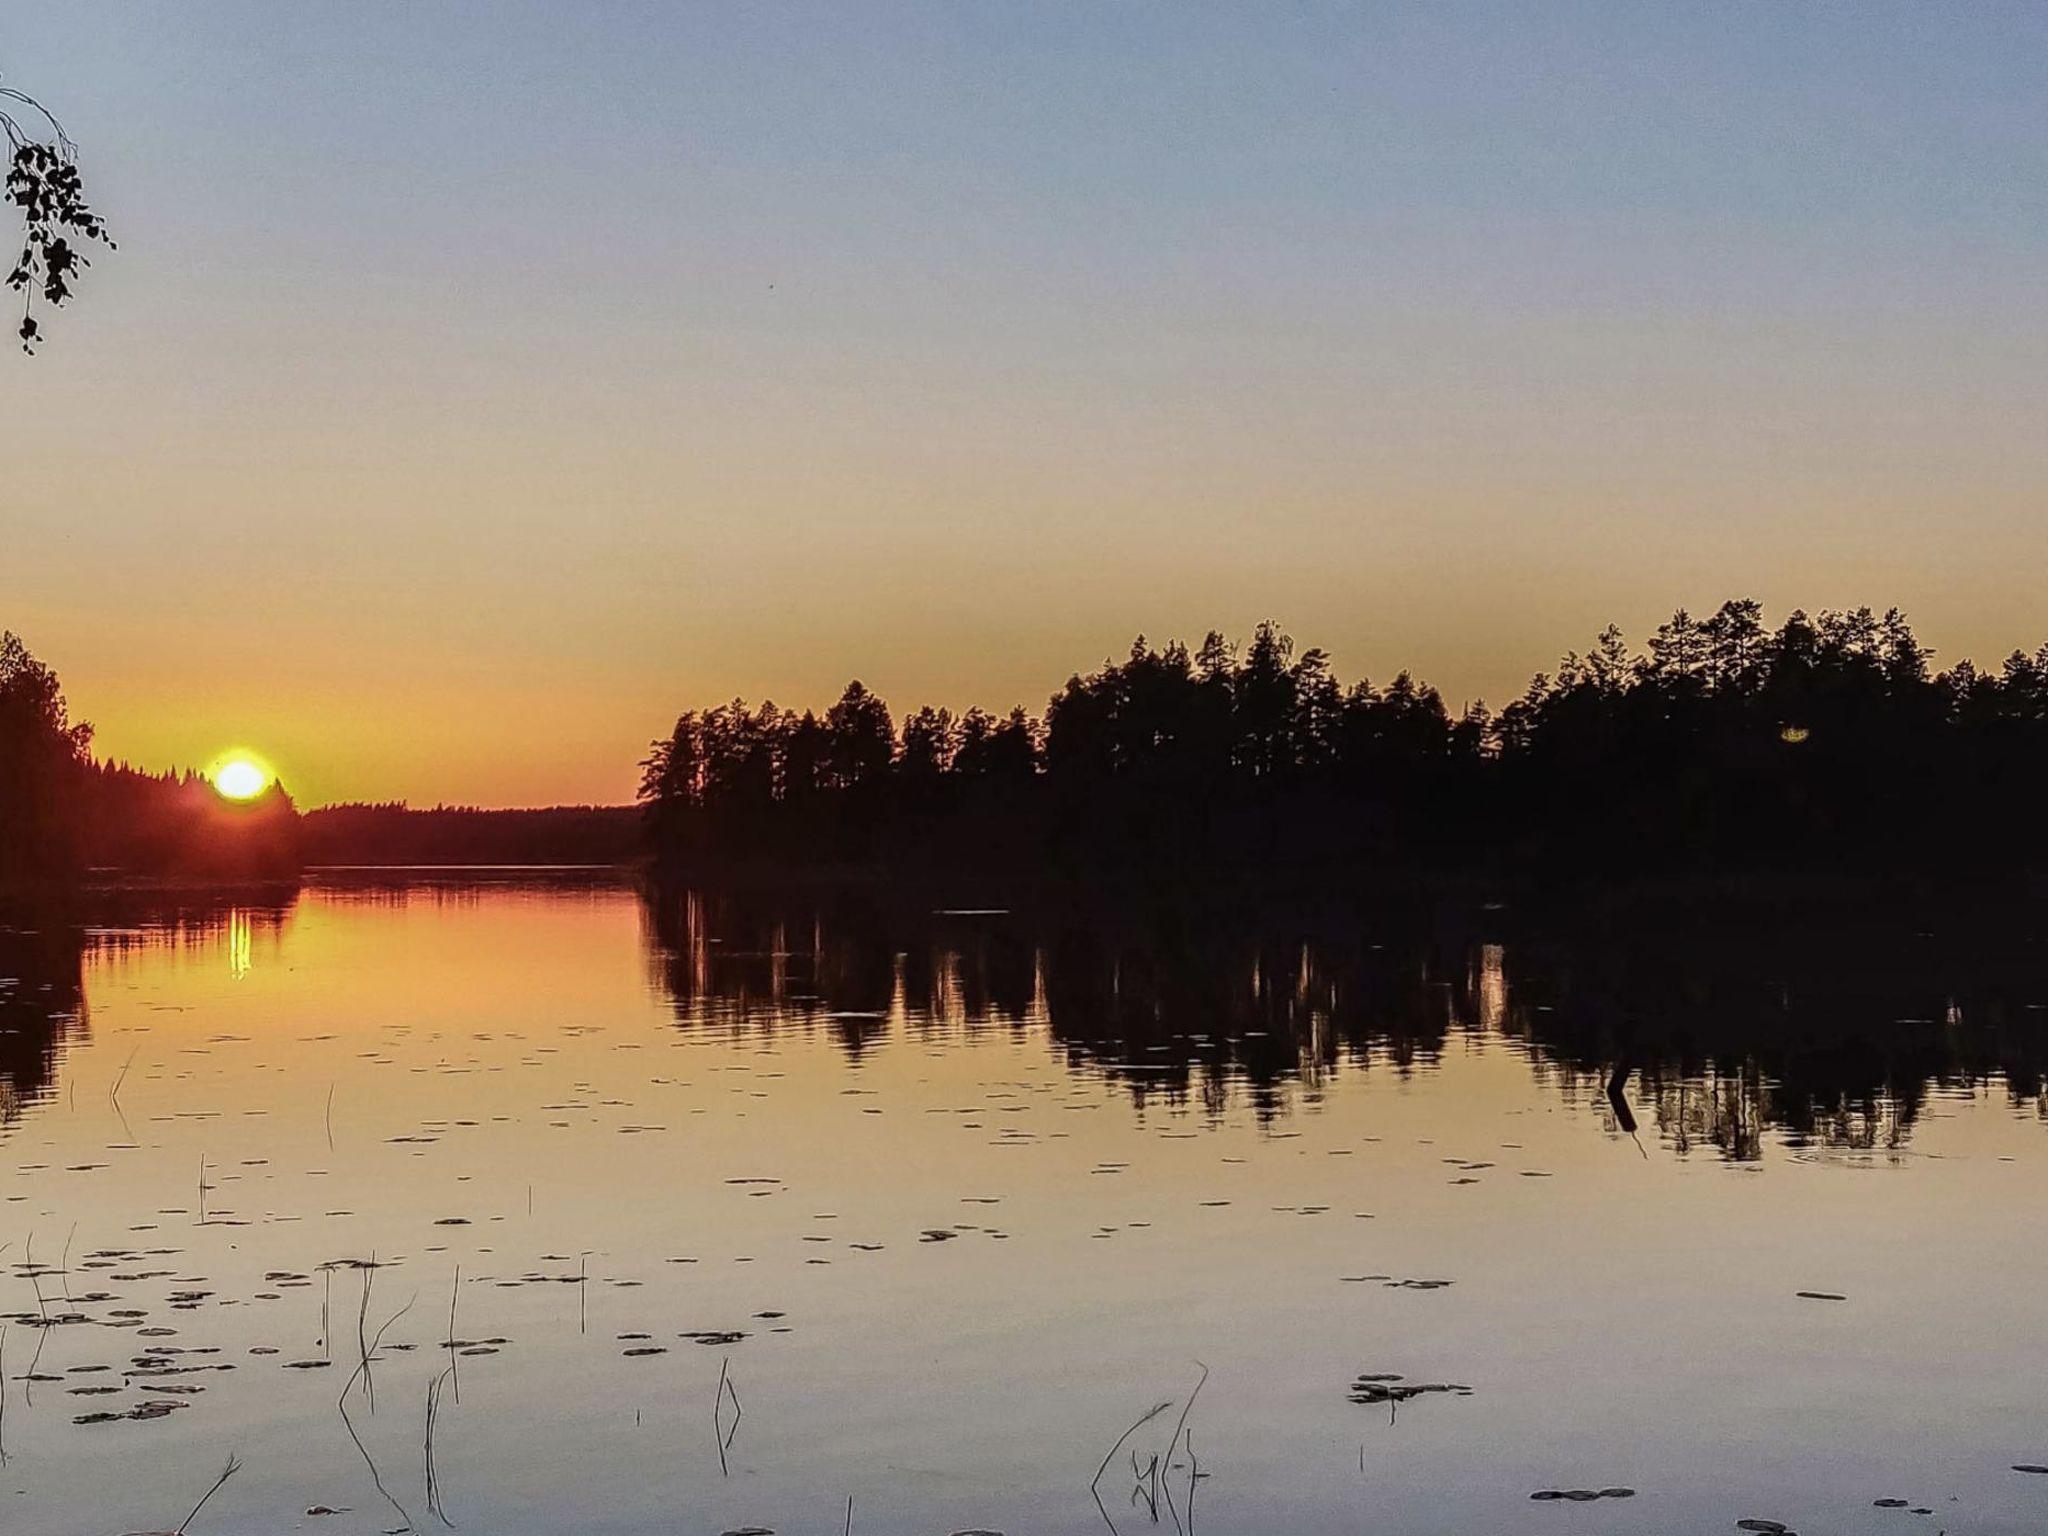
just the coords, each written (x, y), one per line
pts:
(520, 1202)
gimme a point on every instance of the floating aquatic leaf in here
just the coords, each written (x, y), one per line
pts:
(1386, 1387)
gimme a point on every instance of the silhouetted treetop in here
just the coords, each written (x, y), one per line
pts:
(1720, 741)
(41, 755)
(60, 811)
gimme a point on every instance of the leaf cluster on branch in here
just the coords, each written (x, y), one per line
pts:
(57, 222)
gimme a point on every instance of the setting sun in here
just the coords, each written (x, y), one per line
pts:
(240, 779)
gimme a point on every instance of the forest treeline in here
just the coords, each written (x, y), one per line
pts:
(1829, 741)
(394, 833)
(66, 816)
(64, 813)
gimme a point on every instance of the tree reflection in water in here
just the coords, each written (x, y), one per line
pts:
(1715, 1029)
(44, 957)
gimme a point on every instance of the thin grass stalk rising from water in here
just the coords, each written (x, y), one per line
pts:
(1095, 1482)
(434, 1504)
(227, 1472)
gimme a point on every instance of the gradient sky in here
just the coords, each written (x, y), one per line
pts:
(476, 386)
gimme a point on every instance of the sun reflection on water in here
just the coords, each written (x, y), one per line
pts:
(240, 933)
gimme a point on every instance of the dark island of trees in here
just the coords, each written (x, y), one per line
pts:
(1723, 746)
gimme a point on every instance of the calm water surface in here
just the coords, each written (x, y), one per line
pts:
(947, 1205)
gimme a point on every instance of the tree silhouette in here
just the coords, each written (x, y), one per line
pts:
(42, 754)
(57, 223)
(861, 740)
(60, 811)
(1721, 745)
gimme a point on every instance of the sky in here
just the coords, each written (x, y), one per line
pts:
(477, 386)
